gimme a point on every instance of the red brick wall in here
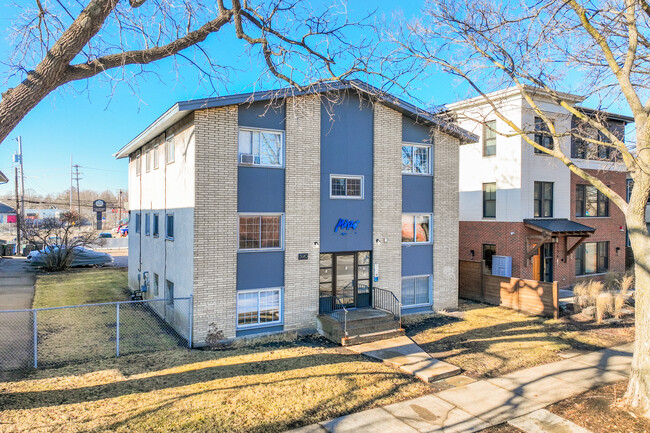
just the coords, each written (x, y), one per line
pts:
(473, 234)
(607, 228)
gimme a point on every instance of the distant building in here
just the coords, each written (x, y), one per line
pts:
(519, 202)
(7, 214)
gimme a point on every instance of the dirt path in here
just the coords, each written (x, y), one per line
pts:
(17, 280)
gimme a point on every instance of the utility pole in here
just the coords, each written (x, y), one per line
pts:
(76, 167)
(22, 178)
(119, 208)
(18, 214)
(70, 182)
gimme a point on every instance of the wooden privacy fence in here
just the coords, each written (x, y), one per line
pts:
(529, 296)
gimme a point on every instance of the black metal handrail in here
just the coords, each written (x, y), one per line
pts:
(386, 300)
(333, 306)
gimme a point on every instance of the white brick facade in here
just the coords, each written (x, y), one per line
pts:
(302, 212)
(387, 198)
(445, 221)
(215, 222)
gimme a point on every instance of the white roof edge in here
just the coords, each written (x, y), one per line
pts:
(167, 119)
(509, 93)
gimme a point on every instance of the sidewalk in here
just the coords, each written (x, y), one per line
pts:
(485, 403)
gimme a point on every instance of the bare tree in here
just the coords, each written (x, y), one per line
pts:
(58, 43)
(597, 48)
(60, 239)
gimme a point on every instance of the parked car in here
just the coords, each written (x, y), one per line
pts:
(81, 257)
(105, 235)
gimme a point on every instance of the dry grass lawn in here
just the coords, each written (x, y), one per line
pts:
(83, 333)
(267, 388)
(490, 341)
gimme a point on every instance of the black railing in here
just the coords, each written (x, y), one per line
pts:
(386, 300)
(333, 306)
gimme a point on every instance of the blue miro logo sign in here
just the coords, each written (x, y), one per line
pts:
(346, 225)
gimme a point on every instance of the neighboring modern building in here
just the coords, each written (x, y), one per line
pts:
(7, 214)
(518, 202)
(274, 209)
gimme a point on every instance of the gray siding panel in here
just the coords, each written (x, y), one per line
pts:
(414, 132)
(417, 260)
(260, 115)
(346, 148)
(260, 270)
(417, 193)
(260, 189)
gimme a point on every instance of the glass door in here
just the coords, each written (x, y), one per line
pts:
(345, 279)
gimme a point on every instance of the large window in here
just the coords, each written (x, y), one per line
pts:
(415, 290)
(156, 224)
(147, 224)
(590, 202)
(346, 186)
(260, 232)
(137, 223)
(582, 148)
(542, 135)
(416, 159)
(416, 228)
(490, 138)
(258, 307)
(489, 200)
(257, 147)
(592, 258)
(169, 293)
(169, 226)
(488, 251)
(170, 150)
(543, 198)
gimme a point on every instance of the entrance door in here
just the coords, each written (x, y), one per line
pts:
(344, 286)
(546, 256)
(345, 276)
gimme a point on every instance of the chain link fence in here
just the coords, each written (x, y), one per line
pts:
(48, 337)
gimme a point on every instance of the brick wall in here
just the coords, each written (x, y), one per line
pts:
(215, 221)
(302, 211)
(387, 197)
(445, 221)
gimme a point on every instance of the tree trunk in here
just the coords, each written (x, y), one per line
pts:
(638, 391)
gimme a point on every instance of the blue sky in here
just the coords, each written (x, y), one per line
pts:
(92, 126)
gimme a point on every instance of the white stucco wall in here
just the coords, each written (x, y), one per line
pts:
(170, 188)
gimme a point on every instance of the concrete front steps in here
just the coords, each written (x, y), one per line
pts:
(364, 325)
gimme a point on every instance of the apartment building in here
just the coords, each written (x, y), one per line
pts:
(280, 211)
(517, 202)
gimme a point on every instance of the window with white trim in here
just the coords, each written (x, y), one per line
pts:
(416, 228)
(147, 224)
(260, 232)
(137, 223)
(147, 160)
(170, 150)
(155, 284)
(346, 186)
(261, 147)
(169, 226)
(416, 159)
(156, 224)
(416, 290)
(156, 156)
(138, 165)
(259, 307)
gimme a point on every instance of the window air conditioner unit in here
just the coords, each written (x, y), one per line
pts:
(246, 158)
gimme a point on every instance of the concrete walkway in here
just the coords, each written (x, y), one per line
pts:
(485, 403)
(403, 353)
(17, 279)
